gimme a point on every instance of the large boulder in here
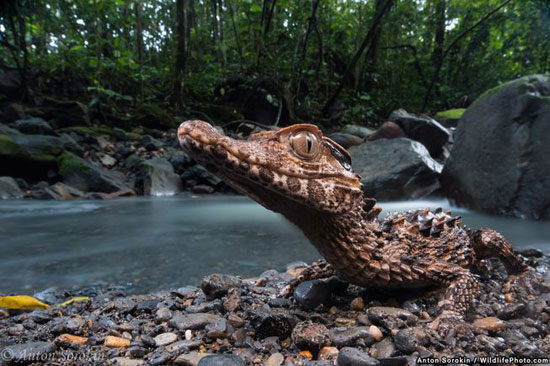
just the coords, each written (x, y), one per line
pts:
(159, 178)
(86, 177)
(28, 156)
(9, 189)
(394, 169)
(423, 129)
(34, 126)
(65, 113)
(501, 158)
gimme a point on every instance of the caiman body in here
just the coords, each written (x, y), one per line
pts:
(307, 178)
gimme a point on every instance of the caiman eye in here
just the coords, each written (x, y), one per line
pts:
(305, 144)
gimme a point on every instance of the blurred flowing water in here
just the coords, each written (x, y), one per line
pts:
(160, 243)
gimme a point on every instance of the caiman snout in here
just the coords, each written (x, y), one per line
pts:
(195, 129)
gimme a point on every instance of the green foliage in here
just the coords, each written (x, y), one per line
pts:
(98, 50)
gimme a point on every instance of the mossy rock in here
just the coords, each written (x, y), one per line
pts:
(153, 116)
(450, 118)
(95, 130)
(68, 163)
(9, 147)
(65, 113)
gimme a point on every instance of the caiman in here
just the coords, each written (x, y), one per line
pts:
(308, 178)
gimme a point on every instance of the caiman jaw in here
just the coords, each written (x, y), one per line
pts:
(268, 169)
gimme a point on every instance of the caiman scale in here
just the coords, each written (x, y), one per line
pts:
(308, 178)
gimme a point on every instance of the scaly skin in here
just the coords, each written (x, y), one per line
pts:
(307, 178)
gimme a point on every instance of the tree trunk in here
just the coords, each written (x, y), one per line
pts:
(139, 44)
(236, 34)
(372, 53)
(181, 56)
(366, 41)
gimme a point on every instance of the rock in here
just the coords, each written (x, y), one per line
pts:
(385, 348)
(5, 130)
(123, 361)
(202, 189)
(69, 340)
(159, 178)
(346, 140)
(160, 357)
(71, 145)
(310, 294)
(350, 336)
(107, 160)
(357, 304)
(190, 359)
(395, 169)
(275, 359)
(388, 130)
(217, 330)
(58, 191)
(9, 189)
(221, 360)
(66, 113)
(499, 163)
(405, 341)
(328, 353)
(163, 315)
(353, 357)
(277, 322)
(153, 116)
(116, 342)
(391, 318)
(376, 333)
(512, 311)
(423, 129)
(27, 352)
(356, 130)
(87, 177)
(34, 126)
(150, 143)
(490, 323)
(310, 336)
(197, 174)
(179, 161)
(216, 285)
(165, 339)
(192, 321)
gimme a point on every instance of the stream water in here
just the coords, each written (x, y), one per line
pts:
(158, 243)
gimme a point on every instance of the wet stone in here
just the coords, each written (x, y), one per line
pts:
(221, 360)
(512, 311)
(275, 359)
(385, 348)
(353, 357)
(310, 294)
(310, 336)
(165, 339)
(217, 329)
(123, 361)
(391, 318)
(490, 323)
(163, 314)
(160, 358)
(277, 322)
(19, 353)
(190, 359)
(344, 336)
(405, 341)
(216, 285)
(192, 321)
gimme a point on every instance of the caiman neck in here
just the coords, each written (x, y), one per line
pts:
(340, 238)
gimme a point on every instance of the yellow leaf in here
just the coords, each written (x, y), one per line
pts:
(21, 302)
(68, 302)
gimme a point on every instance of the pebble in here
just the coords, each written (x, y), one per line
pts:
(189, 359)
(19, 353)
(328, 353)
(490, 323)
(165, 339)
(390, 317)
(405, 341)
(216, 285)
(376, 333)
(357, 304)
(344, 336)
(310, 336)
(385, 348)
(277, 322)
(221, 360)
(311, 294)
(353, 357)
(163, 315)
(512, 311)
(116, 342)
(275, 359)
(69, 339)
(123, 361)
(192, 321)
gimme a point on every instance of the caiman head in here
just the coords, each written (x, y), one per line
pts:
(292, 169)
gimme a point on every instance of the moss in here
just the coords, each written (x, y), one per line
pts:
(9, 147)
(451, 114)
(90, 130)
(68, 163)
(131, 136)
(45, 158)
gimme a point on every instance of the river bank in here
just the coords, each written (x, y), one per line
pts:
(233, 321)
